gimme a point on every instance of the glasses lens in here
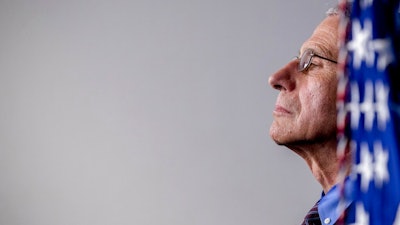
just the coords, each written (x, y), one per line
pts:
(305, 60)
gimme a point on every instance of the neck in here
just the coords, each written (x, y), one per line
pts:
(322, 160)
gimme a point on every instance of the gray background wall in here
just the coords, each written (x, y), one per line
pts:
(148, 112)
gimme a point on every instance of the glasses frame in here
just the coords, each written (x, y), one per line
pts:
(307, 65)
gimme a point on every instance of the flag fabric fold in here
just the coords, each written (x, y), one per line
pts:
(371, 104)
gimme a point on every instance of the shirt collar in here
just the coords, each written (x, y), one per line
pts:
(330, 208)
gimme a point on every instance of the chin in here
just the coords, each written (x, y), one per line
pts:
(278, 133)
(277, 137)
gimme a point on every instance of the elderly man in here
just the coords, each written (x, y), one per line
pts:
(305, 113)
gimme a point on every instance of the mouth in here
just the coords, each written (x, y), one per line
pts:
(280, 110)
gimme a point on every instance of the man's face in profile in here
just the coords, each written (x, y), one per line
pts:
(305, 110)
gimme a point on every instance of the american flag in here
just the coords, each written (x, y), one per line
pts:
(369, 109)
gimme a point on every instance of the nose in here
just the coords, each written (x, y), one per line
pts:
(284, 79)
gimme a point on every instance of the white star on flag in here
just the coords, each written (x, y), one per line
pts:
(353, 106)
(365, 167)
(380, 167)
(361, 44)
(366, 3)
(385, 53)
(381, 105)
(362, 218)
(367, 107)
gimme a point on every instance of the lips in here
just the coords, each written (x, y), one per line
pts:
(280, 110)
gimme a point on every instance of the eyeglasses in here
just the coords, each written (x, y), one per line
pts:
(306, 57)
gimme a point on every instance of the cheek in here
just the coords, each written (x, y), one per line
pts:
(319, 101)
(318, 114)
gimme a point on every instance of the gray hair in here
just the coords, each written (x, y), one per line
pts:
(333, 11)
(337, 11)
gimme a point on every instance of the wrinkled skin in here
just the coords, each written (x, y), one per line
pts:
(305, 109)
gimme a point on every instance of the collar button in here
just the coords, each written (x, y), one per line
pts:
(327, 220)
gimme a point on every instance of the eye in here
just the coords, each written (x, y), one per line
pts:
(305, 60)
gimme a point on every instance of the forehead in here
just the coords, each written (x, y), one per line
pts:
(324, 39)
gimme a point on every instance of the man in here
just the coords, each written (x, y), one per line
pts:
(305, 113)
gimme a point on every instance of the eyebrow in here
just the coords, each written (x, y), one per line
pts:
(319, 50)
(326, 52)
